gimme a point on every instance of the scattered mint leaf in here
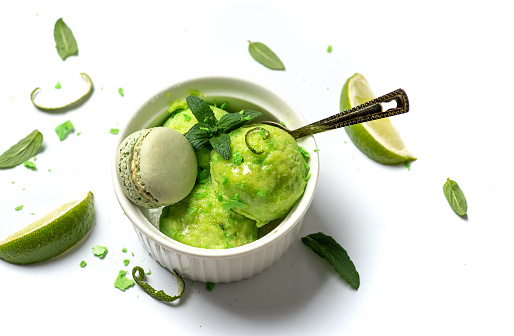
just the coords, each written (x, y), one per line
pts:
(326, 247)
(329, 49)
(120, 91)
(100, 251)
(209, 286)
(64, 129)
(124, 250)
(455, 197)
(121, 282)
(30, 165)
(65, 41)
(19, 207)
(114, 131)
(58, 85)
(265, 56)
(83, 264)
(22, 151)
(158, 295)
(126, 262)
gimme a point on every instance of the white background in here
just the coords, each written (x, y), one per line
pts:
(424, 270)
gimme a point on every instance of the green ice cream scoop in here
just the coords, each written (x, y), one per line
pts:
(265, 176)
(200, 220)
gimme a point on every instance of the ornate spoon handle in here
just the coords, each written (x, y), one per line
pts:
(368, 111)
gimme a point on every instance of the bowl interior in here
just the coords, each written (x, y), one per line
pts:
(238, 94)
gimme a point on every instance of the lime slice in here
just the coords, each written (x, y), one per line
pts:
(68, 106)
(51, 235)
(378, 139)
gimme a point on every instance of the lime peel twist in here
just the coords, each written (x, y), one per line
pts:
(138, 274)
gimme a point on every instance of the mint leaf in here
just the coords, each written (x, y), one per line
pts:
(221, 144)
(455, 197)
(265, 56)
(326, 247)
(201, 110)
(64, 129)
(22, 151)
(232, 121)
(65, 41)
(198, 136)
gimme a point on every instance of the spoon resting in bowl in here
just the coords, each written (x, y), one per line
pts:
(371, 110)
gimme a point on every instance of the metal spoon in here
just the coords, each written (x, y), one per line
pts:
(371, 110)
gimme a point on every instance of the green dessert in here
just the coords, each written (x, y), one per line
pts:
(200, 220)
(265, 178)
(262, 180)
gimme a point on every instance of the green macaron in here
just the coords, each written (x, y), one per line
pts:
(156, 167)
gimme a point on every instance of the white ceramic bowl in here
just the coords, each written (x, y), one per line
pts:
(225, 265)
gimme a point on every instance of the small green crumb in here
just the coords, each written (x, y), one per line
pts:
(58, 85)
(12, 182)
(132, 253)
(122, 283)
(83, 264)
(19, 207)
(209, 286)
(49, 170)
(194, 92)
(120, 91)
(407, 165)
(149, 272)
(124, 250)
(329, 49)
(316, 150)
(30, 165)
(79, 133)
(126, 262)
(64, 129)
(99, 251)
(114, 131)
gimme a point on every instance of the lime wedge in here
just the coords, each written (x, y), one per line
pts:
(378, 139)
(52, 234)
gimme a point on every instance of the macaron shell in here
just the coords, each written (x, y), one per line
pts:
(167, 165)
(123, 162)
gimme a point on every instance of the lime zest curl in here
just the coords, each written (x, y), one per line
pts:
(138, 274)
(264, 133)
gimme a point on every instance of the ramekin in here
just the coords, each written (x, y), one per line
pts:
(223, 265)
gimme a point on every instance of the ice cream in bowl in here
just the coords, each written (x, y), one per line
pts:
(211, 191)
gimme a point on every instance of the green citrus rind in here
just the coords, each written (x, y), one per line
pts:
(52, 234)
(70, 105)
(389, 150)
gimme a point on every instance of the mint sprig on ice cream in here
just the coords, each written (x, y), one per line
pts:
(213, 132)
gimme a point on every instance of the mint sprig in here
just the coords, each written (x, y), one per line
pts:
(211, 131)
